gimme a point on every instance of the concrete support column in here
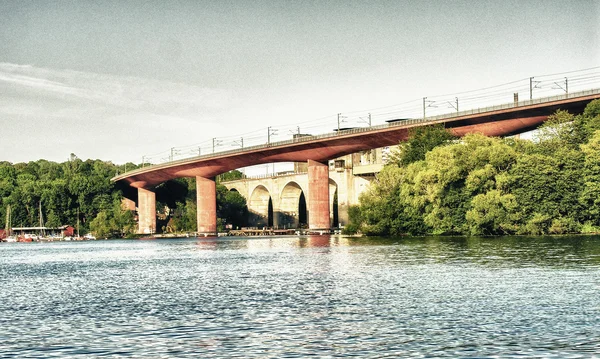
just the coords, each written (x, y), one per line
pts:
(318, 196)
(146, 211)
(206, 200)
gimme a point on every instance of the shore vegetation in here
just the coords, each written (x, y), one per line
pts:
(78, 192)
(478, 185)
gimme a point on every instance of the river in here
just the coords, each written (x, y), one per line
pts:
(294, 297)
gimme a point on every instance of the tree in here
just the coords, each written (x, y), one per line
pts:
(492, 213)
(589, 121)
(421, 140)
(113, 221)
(52, 220)
(63, 189)
(101, 226)
(184, 217)
(231, 207)
(590, 193)
(230, 176)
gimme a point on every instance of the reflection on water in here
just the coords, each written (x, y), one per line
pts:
(265, 242)
(275, 297)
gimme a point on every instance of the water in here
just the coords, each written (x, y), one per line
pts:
(299, 297)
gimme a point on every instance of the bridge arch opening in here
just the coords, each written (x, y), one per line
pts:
(333, 204)
(260, 207)
(292, 206)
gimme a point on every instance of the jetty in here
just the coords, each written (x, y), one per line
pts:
(266, 231)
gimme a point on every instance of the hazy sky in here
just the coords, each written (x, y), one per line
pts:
(117, 80)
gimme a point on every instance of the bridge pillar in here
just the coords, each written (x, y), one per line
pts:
(318, 196)
(146, 211)
(206, 200)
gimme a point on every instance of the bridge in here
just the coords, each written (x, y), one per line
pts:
(279, 201)
(501, 120)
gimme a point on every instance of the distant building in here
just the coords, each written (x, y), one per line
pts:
(67, 231)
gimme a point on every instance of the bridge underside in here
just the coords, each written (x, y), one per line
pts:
(317, 151)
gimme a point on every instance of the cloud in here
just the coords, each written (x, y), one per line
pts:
(125, 93)
(57, 111)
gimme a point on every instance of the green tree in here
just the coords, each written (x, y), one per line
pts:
(492, 213)
(52, 220)
(547, 188)
(354, 220)
(61, 189)
(101, 226)
(184, 217)
(231, 207)
(559, 131)
(590, 192)
(230, 176)
(420, 141)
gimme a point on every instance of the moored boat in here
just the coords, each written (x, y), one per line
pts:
(10, 239)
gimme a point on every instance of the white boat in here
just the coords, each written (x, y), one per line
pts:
(10, 239)
(31, 237)
(89, 236)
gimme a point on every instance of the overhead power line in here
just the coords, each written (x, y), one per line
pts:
(561, 82)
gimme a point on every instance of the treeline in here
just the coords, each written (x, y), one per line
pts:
(80, 192)
(478, 185)
(64, 191)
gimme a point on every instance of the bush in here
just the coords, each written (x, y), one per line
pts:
(354, 220)
(564, 225)
(589, 228)
(537, 225)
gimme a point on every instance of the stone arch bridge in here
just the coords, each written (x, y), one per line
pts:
(280, 201)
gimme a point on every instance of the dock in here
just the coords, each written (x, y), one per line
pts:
(250, 231)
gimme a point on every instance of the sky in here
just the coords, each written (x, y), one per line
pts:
(126, 81)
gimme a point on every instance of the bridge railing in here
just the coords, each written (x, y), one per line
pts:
(407, 123)
(276, 174)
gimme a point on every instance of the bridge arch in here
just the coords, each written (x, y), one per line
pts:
(260, 206)
(239, 186)
(292, 206)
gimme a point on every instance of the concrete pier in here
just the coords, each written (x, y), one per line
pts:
(146, 211)
(318, 196)
(206, 200)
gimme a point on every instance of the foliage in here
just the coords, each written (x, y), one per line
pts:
(354, 217)
(231, 207)
(491, 186)
(492, 213)
(184, 217)
(113, 222)
(83, 188)
(230, 176)
(421, 140)
(64, 190)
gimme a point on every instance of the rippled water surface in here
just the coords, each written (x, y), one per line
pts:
(298, 297)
